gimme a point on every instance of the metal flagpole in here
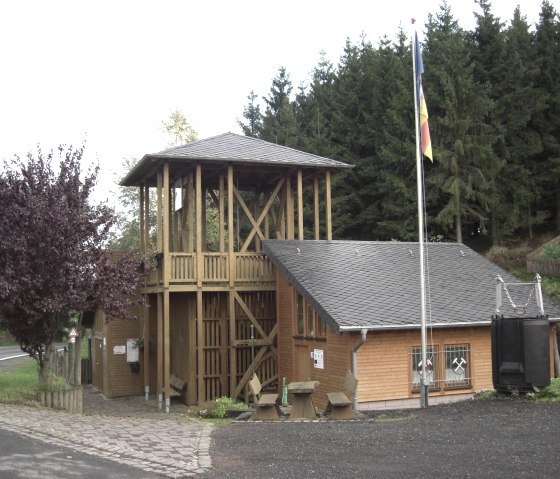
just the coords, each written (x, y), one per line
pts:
(420, 187)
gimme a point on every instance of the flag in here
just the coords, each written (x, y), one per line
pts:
(426, 143)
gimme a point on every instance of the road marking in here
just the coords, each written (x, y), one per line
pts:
(14, 357)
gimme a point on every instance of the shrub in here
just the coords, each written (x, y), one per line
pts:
(218, 408)
(549, 393)
(551, 251)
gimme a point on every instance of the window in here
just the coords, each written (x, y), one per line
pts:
(457, 366)
(448, 367)
(307, 321)
(432, 375)
(300, 320)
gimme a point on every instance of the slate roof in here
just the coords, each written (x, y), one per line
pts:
(376, 285)
(230, 148)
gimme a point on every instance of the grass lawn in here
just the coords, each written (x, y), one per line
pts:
(19, 386)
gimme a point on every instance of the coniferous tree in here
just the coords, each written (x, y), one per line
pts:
(546, 118)
(279, 121)
(252, 113)
(462, 139)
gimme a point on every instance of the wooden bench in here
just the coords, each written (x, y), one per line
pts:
(266, 407)
(339, 405)
(177, 386)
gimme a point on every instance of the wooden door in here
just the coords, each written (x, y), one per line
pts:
(302, 362)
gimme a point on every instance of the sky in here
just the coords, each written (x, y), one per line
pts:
(108, 73)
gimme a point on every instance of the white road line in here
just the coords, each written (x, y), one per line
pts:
(14, 357)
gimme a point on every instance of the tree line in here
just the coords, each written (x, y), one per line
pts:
(493, 96)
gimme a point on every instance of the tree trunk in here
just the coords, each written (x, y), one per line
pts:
(44, 364)
(458, 233)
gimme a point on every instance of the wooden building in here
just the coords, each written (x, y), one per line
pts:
(213, 288)
(349, 305)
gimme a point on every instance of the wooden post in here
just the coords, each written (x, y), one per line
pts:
(147, 216)
(166, 278)
(232, 274)
(200, 342)
(317, 224)
(328, 204)
(142, 223)
(190, 213)
(159, 369)
(300, 203)
(159, 211)
(289, 208)
(146, 348)
(198, 221)
(221, 213)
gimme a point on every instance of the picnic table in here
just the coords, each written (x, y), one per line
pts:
(302, 407)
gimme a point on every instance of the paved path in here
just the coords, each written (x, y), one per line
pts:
(128, 430)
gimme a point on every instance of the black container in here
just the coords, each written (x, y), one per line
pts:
(520, 353)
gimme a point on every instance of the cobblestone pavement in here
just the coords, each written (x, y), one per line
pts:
(126, 430)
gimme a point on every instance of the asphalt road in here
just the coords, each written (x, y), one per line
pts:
(21, 457)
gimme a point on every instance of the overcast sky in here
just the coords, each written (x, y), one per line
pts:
(109, 72)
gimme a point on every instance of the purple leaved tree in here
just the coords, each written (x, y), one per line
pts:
(52, 256)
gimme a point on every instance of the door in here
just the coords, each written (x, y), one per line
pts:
(302, 362)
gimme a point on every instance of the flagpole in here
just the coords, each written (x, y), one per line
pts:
(420, 188)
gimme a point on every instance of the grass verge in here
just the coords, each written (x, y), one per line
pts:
(19, 386)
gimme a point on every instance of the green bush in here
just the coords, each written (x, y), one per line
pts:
(551, 251)
(218, 408)
(549, 393)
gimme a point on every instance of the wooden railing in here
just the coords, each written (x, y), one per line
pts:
(253, 267)
(215, 267)
(183, 267)
(248, 267)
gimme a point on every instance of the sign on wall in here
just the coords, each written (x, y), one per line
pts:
(318, 359)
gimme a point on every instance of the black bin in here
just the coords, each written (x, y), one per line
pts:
(520, 353)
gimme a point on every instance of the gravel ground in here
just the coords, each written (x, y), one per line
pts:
(472, 439)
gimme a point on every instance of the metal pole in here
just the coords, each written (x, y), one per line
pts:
(420, 188)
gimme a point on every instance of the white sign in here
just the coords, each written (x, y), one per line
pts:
(119, 349)
(132, 355)
(318, 359)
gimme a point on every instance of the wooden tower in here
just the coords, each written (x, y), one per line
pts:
(213, 288)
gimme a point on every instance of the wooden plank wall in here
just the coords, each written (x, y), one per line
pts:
(122, 382)
(384, 361)
(385, 367)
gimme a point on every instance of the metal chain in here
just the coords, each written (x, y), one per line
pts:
(513, 305)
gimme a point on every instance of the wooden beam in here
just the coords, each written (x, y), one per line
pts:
(146, 338)
(328, 204)
(191, 363)
(166, 350)
(316, 223)
(190, 213)
(159, 211)
(232, 350)
(250, 315)
(166, 227)
(221, 210)
(300, 203)
(247, 212)
(200, 346)
(289, 208)
(198, 221)
(257, 224)
(147, 215)
(142, 219)
(280, 220)
(231, 227)
(159, 360)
